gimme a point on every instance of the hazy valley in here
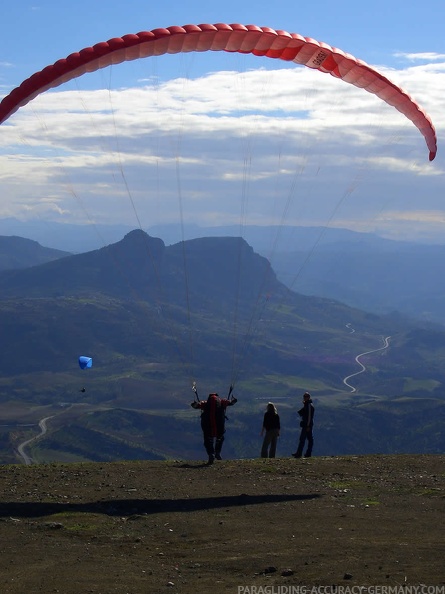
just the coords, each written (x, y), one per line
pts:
(156, 317)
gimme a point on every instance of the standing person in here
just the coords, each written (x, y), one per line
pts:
(271, 426)
(307, 423)
(213, 418)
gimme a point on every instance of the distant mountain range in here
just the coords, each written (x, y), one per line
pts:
(156, 317)
(17, 252)
(359, 269)
(214, 297)
(393, 277)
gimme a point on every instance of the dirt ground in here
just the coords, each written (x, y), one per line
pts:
(276, 526)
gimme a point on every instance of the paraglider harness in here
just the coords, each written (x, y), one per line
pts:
(220, 411)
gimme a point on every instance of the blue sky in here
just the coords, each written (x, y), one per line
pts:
(37, 33)
(216, 139)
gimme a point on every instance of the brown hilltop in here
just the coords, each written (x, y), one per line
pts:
(148, 527)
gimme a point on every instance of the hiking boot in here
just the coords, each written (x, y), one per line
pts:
(296, 455)
(218, 456)
(211, 459)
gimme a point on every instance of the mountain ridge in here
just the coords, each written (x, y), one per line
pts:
(156, 317)
(18, 252)
(362, 270)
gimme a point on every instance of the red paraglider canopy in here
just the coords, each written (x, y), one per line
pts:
(248, 39)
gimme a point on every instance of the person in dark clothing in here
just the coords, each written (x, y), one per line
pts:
(306, 423)
(213, 418)
(271, 427)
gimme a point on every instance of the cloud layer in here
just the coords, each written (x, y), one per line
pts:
(260, 146)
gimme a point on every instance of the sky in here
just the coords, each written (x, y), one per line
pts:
(215, 138)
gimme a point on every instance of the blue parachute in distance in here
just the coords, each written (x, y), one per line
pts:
(85, 362)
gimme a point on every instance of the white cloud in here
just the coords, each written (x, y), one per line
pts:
(266, 143)
(420, 56)
(424, 216)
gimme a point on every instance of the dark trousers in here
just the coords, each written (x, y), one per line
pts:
(212, 444)
(305, 434)
(269, 446)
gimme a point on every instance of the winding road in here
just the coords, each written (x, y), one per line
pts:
(21, 449)
(363, 368)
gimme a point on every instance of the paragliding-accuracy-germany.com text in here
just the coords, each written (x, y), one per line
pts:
(377, 589)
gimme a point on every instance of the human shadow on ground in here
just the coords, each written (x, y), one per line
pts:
(196, 466)
(128, 507)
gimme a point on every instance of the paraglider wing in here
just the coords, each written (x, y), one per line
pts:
(250, 39)
(85, 362)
